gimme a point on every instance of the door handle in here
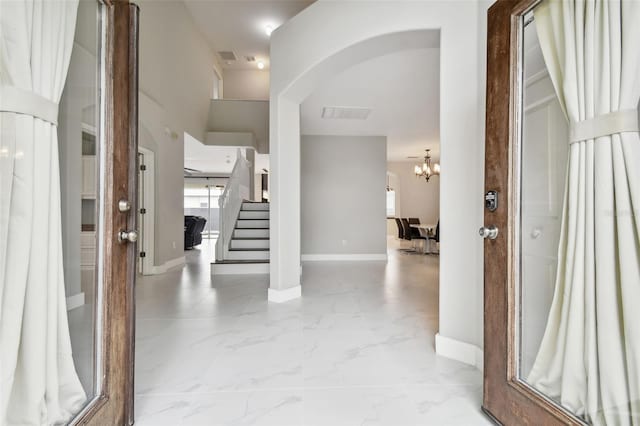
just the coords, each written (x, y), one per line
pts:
(489, 232)
(128, 236)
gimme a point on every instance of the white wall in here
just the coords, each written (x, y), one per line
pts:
(303, 54)
(233, 121)
(246, 84)
(415, 197)
(343, 195)
(176, 83)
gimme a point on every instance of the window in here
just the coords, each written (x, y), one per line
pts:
(202, 200)
(217, 86)
(391, 203)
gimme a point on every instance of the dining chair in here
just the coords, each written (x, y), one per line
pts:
(400, 228)
(413, 234)
(407, 228)
(436, 237)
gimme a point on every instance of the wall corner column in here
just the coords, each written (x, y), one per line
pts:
(285, 269)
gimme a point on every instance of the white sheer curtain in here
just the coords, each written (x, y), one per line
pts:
(38, 381)
(590, 353)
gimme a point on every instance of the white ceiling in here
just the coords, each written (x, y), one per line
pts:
(208, 159)
(403, 91)
(239, 25)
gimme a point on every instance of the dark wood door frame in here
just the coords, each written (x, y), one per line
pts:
(507, 399)
(114, 405)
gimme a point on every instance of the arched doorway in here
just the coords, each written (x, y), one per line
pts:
(305, 54)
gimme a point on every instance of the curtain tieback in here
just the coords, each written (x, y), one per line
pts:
(604, 125)
(20, 101)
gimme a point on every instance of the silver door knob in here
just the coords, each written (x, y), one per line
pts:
(128, 236)
(490, 232)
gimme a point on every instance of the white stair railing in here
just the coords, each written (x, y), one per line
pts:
(230, 202)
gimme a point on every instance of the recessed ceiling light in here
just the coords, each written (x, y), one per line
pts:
(261, 65)
(268, 29)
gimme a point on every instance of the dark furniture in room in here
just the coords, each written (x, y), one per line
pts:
(436, 237)
(193, 227)
(400, 228)
(407, 228)
(410, 233)
(414, 232)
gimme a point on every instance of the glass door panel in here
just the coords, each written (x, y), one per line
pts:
(215, 191)
(197, 203)
(558, 335)
(81, 151)
(543, 168)
(201, 199)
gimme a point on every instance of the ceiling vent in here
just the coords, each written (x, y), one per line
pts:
(346, 113)
(227, 55)
(250, 58)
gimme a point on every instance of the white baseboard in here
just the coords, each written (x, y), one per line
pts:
(344, 257)
(460, 351)
(280, 296)
(239, 268)
(75, 301)
(161, 269)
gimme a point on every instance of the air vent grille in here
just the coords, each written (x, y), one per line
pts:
(227, 55)
(250, 58)
(346, 113)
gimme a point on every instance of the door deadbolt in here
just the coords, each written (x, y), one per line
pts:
(491, 200)
(124, 205)
(489, 232)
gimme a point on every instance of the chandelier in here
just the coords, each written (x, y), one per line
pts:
(426, 170)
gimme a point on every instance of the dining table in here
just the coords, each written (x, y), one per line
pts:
(426, 231)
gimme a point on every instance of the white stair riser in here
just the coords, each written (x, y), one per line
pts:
(254, 214)
(249, 244)
(255, 206)
(248, 255)
(239, 268)
(251, 233)
(252, 224)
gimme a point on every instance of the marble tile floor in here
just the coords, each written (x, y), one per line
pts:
(356, 349)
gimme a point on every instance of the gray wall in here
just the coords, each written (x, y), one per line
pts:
(343, 195)
(240, 117)
(176, 82)
(176, 65)
(249, 84)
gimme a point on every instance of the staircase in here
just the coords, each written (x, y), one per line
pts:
(248, 251)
